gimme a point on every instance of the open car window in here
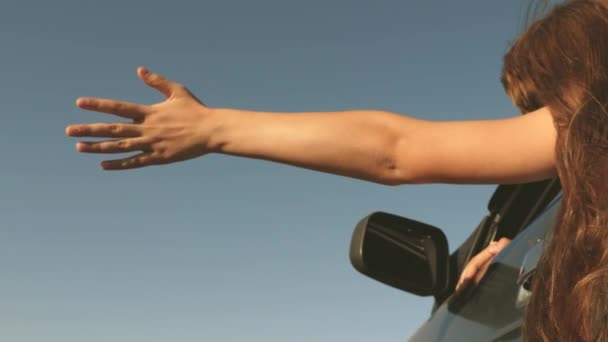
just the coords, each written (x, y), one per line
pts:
(492, 310)
(510, 210)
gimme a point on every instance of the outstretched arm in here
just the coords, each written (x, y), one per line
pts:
(373, 145)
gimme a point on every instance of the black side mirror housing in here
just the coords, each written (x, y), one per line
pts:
(400, 252)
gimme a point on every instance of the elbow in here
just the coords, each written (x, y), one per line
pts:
(399, 167)
(392, 174)
(390, 181)
(394, 177)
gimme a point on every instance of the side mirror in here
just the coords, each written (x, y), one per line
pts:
(403, 253)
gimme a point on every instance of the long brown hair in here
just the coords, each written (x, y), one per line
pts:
(561, 62)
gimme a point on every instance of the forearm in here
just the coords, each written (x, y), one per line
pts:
(358, 144)
(373, 145)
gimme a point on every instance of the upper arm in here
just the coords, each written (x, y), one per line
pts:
(513, 150)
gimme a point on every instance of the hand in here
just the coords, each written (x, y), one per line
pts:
(173, 130)
(478, 265)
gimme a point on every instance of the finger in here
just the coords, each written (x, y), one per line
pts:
(113, 146)
(493, 249)
(124, 109)
(156, 81)
(474, 265)
(463, 286)
(467, 275)
(499, 245)
(104, 130)
(136, 161)
(477, 262)
(478, 266)
(481, 272)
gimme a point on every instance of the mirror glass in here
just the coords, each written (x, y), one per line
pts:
(401, 252)
(395, 255)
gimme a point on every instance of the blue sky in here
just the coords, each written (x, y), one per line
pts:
(223, 248)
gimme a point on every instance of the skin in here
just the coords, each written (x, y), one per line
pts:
(478, 265)
(377, 146)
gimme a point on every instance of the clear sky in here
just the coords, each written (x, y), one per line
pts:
(222, 248)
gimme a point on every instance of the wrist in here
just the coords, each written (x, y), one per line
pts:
(218, 126)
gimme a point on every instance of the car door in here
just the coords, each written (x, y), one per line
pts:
(492, 311)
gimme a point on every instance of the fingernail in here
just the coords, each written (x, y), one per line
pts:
(83, 101)
(144, 70)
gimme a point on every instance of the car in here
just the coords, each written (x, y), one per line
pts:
(414, 257)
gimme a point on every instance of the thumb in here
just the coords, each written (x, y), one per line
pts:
(156, 81)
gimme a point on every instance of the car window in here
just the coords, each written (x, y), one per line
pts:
(496, 301)
(510, 210)
(492, 310)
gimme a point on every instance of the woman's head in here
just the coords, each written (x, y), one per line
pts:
(559, 57)
(561, 62)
